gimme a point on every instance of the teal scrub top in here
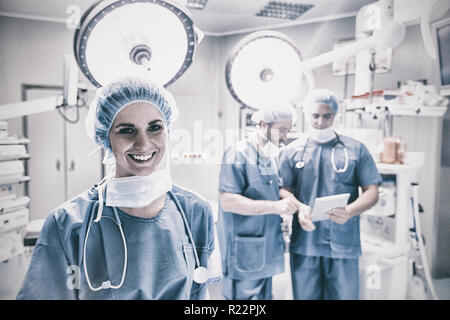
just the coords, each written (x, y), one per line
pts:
(160, 255)
(318, 179)
(252, 247)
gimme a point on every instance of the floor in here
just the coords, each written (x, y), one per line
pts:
(282, 289)
(442, 288)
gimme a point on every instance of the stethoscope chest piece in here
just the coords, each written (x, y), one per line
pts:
(200, 275)
(300, 164)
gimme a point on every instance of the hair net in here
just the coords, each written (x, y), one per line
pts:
(320, 96)
(112, 98)
(274, 114)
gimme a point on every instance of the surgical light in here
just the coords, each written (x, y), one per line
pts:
(263, 71)
(153, 39)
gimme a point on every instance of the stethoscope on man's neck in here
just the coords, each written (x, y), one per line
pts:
(200, 273)
(301, 163)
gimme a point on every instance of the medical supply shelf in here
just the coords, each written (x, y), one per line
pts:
(12, 245)
(10, 158)
(14, 140)
(385, 239)
(19, 180)
(395, 228)
(403, 110)
(14, 212)
(406, 108)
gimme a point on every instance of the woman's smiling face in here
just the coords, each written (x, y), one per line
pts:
(138, 139)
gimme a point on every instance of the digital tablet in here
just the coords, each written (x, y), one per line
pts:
(323, 204)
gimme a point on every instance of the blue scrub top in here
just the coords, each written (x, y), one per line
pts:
(318, 179)
(252, 247)
(160, 256)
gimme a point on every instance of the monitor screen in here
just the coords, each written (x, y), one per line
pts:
(443, 46)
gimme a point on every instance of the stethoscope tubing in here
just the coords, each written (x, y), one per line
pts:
(99, 204)
(300, 164)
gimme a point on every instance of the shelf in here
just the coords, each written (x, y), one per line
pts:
(12, 205)
(417, 111)
(14, 140)
(445, 92)
(376, 246)
(399, 110)
(12, 255)
(14, 220)
(385, 168)
(14, 157)
(20, 180)
(413, 162)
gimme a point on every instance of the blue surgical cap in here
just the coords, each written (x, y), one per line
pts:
(113, 97)
(272, 115)
(320, 96)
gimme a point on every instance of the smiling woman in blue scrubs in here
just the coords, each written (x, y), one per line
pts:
(249, 225)
(324, 255)
(135, 235)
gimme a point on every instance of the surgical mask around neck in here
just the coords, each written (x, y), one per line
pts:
(322, 135)
(270, 149)
(138, 191)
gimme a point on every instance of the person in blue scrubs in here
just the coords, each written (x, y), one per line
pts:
(324, 254)
(249, 223)
(135, 235)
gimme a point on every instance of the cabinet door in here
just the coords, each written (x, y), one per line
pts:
(46, 165)
(82, 172)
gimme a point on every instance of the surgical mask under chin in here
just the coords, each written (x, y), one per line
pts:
(138, 191)
(322, 135)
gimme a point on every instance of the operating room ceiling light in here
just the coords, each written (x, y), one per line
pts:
(263, 71)
(283, 10)
(154, 39)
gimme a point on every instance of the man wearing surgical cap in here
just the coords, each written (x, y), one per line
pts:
(132, 235)
(324, 253)
(249, 224)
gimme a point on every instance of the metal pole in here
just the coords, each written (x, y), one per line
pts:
(23, 90)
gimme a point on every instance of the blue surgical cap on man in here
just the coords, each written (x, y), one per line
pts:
(320, 96)
(118, 94)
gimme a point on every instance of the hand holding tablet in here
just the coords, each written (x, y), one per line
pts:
(324, 204)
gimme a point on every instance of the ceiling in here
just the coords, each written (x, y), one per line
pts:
(218, 18)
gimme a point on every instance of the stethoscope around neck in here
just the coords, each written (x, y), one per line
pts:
(301, 163)
(200, 273)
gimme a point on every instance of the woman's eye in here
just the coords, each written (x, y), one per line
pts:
(126, 131)
(154, 128)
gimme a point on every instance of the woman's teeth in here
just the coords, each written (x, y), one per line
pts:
(142, 157)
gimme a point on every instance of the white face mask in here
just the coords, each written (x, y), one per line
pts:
(322, 135)
(138, 191)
